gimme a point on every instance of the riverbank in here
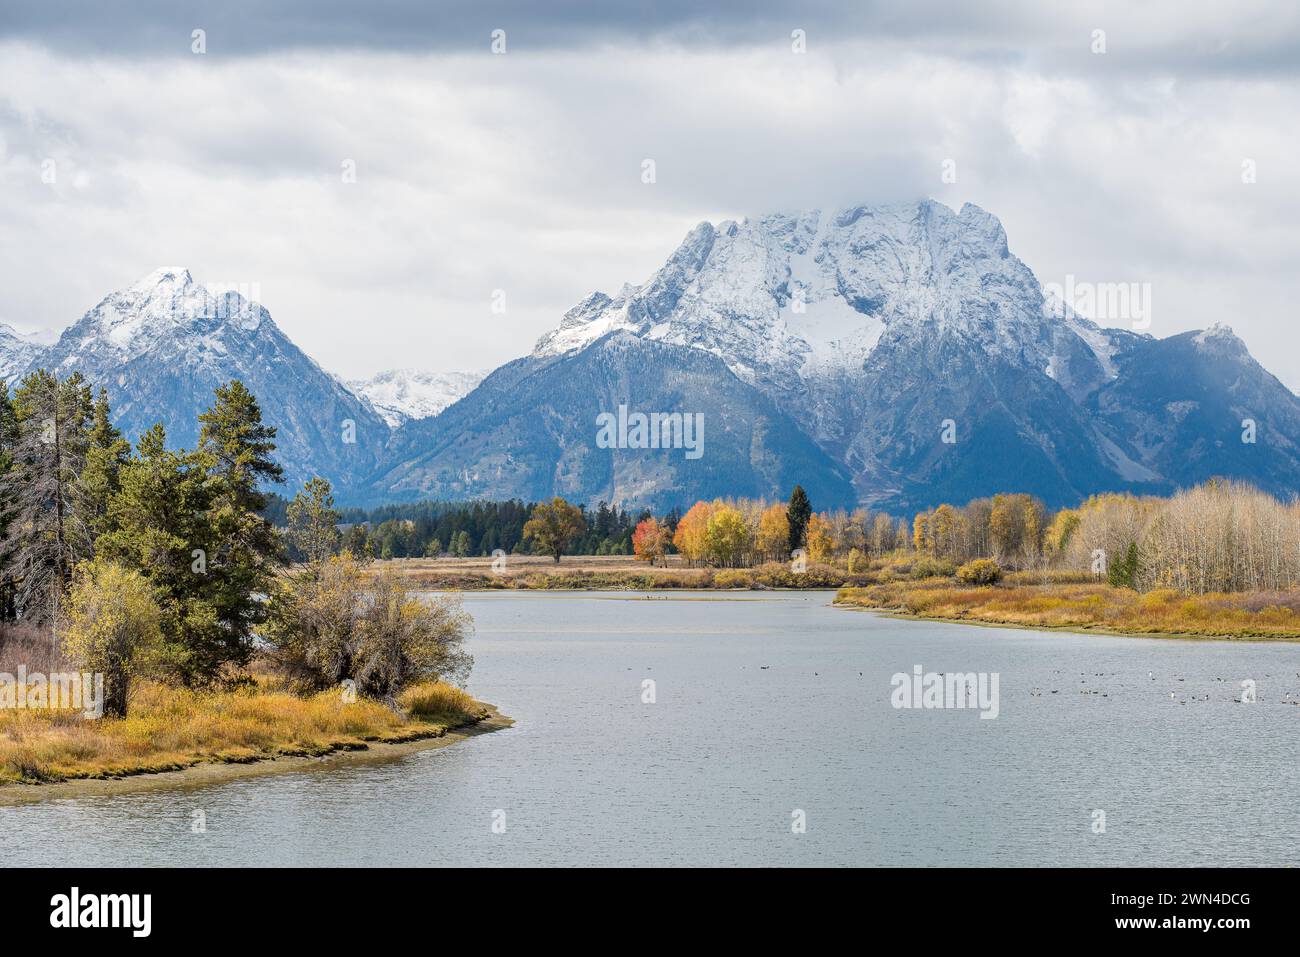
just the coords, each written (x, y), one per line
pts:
(1096, 607)
(206, 775)
(171, 730)
(607, 573)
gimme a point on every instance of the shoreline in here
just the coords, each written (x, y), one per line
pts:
(205, 773)
(1105, 630)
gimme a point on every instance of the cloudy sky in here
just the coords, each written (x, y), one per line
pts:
(520, 171)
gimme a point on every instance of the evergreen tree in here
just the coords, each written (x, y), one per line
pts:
(160, 528)
(235, 447)
(8, 442)
(41, 543)
(1123, 572)
(101, 477)
(356, 541)
(798, 513)
(313, 522)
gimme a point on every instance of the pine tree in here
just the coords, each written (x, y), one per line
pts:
(101, 477)
(313, 522)
(160, 528)
(798, 513)
(8, 442)
(356, 541)
(235, 448)
(41, 544)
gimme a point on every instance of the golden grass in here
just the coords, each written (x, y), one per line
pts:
(1088, 606)
(434, 699)
(172, 728)
(613, 573)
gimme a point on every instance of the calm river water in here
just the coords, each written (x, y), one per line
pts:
(767, 705)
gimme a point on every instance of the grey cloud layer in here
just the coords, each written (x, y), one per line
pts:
(479, 172)
(1252, 36)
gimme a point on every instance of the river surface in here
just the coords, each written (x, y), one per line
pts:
(771, 740)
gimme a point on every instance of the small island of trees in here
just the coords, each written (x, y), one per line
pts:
(158, 569)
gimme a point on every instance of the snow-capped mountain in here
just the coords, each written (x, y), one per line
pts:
(401, 395)
(922, 356)
(897, 356)
(162, 345)
(875, 326)
(793, 302)
(18, 351)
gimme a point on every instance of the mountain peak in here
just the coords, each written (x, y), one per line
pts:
(164, 276)
(811, 292)
(1220, 338)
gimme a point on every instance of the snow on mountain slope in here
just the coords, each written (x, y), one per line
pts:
(789, 301)
(402, 395)
(874, 326)
(162, 345)
(819, 287)
(18, 351)
(837, 349)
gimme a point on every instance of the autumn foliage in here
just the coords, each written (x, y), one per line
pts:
(650, 540)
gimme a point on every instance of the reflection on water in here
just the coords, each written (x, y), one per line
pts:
(764, 707)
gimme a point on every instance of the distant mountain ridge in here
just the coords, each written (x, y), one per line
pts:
(895, 356)
(162, 345)
(402, 395)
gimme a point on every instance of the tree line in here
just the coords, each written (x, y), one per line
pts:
(466, 529)
(1220, 536)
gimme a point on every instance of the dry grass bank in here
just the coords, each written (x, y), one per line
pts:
(1088, 606)
(604, 573)
(172, 728)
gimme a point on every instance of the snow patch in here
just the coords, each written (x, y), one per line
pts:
(402, 395)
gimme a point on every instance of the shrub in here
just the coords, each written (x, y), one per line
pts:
(932, 568)
(981, 571)
(112, 625)
(732, 578)
(403, 639)
(327, 625)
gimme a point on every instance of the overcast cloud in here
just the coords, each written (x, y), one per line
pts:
(522, 172)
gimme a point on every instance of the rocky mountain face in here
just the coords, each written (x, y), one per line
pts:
(896, 356)
(1196, 405)
(533, 429)
(161, 346)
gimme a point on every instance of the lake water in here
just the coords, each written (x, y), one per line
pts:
(767, 705)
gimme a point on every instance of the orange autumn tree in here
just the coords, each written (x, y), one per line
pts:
(691, 536)
(773, 540)
(649, 540)
(821, 546)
